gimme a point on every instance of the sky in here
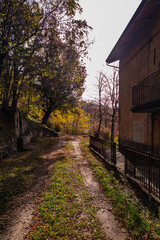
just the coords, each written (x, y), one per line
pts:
(108, 18)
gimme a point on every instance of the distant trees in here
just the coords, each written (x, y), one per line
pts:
(41, 47)
(107, 103)
(112, 94)
(102, 99)
(73, 121)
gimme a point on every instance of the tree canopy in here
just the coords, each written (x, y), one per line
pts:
(42, 47)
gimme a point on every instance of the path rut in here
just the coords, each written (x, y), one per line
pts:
(110, 225)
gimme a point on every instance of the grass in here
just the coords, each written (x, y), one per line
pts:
(66, 210)
(17, 173)
(136, 218)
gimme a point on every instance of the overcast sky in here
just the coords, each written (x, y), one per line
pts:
(108, 19)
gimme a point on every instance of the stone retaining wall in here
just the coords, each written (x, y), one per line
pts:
(16, 132)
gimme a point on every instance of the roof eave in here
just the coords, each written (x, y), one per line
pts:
(116, 52)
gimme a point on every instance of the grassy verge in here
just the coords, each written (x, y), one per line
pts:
(66, 210)
(137, 219)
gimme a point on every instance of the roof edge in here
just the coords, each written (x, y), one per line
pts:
(111, 57)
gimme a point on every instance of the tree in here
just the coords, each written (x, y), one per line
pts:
(73, 121)
(102, 99)
(112, 93)
(62, 71)
(107, 103)
(18, 23)
(22, 25)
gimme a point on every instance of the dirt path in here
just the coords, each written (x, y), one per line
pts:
(20, 221)
(109, 223)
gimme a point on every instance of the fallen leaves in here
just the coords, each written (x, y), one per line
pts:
(109, 209)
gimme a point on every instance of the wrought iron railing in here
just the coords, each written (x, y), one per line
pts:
(106, 148)
(146, 91)
(145, 169)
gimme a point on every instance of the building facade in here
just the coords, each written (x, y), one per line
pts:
(138, 51)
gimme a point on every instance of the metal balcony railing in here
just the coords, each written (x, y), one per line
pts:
(146, 91)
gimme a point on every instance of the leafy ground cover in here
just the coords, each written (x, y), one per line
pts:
(66, 210)
(140, 222)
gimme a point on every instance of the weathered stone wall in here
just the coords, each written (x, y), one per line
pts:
(15, 132)
(8, 146)
(29, 129)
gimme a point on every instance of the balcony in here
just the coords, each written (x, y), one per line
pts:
(146, 95)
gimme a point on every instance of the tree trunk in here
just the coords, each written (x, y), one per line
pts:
(113, 124)
(15, 86)
(14, 105)
(99, 126)
(46, 116)
(2, 57)
(100, 114)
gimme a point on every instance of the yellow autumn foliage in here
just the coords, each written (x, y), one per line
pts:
(73, 121)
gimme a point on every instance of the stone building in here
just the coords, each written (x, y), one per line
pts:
(138, 50)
